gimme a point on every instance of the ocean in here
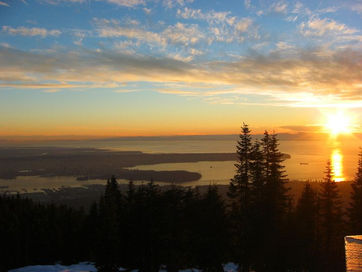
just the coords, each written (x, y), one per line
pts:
(308, 159)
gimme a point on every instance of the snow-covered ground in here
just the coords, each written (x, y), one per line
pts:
(89, 267)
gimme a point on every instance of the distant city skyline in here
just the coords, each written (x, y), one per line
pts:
(178, 67)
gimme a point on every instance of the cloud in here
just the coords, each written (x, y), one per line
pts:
(4, 4)
(123, 3)
(279, 7)
(222, 26)
(56, 2)
(321, 27)
(183, 34)
(195, 52)
(112, 28)
(243, 25)
(127, 3)
(178, 92)
(125, 91)
(173, 3)
(211, 16)
(247, 3)
(51, 91)
(304, 79)
(328, 10)
(147, 10)
(310, 128)
(33, 31)
(357, 7)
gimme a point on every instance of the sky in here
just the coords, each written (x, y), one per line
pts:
(177, 67)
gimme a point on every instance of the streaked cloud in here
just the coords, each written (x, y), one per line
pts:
(211, 16)
(33, 31)
(51, 91)
(124, 91)
(127, 3)
(4, 4)
(306, 80)
(279, 7)
(174, 3)
(321, 27)
(183, 34)
(113, 28)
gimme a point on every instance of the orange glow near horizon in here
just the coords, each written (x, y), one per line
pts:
(337, 165)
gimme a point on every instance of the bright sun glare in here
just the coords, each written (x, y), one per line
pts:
(338, 123)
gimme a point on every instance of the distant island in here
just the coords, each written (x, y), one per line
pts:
(92, 163)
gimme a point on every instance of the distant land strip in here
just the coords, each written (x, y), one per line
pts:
(92, 163)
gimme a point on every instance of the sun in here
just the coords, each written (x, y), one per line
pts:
(338, 123)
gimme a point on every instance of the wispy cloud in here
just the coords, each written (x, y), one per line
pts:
(124, 91)
(112, 28)
(321, 27)
(4, 4)
(357, 7)
(223, 27)
(178, 34)
(307, 79)
(183, 34)
(122, 3)
(211, 16)
(127, 3)
(174, 3)
(51, 91)
(279, 7)
(33, 31)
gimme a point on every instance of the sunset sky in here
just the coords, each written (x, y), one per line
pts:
(170, 67)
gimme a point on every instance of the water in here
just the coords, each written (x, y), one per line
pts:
(308, 159)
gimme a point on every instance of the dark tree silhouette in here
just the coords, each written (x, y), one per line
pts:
(355, 209)
(275, 205)
(108, 251)
(212, 232)
(306, 216)
(240, 198)
(331, 233)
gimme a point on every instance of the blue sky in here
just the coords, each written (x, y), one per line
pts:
(139, 67)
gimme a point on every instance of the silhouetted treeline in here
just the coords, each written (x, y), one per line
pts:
(147, 227)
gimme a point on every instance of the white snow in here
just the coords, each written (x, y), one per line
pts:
(81, 267)
(89, 267)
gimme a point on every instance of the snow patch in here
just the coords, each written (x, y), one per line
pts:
(89, 267)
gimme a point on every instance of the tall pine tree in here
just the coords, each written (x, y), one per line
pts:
(109, 249)
(330, 234)
(355, 210)
(306, 229)
(275, 203)
(240, 195)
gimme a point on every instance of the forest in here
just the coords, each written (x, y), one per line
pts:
(258, 226)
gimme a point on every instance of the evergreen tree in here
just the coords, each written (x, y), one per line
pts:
(257, 208)
(172, 236)
(130, 227)
(355, 210)
(275, 203)
(240, 195)
(306, 218)
(330, 234)
(212, 232)
(109, 249)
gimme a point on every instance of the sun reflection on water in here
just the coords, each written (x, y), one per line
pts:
(337, 165)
